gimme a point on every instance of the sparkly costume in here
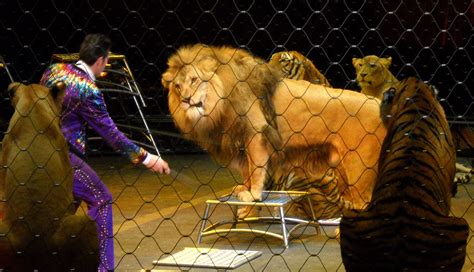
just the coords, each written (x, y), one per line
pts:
(84, 105)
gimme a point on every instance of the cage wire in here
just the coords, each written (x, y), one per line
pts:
(157, 215)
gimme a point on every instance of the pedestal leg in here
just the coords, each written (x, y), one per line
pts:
(283, 225)
(203, 224)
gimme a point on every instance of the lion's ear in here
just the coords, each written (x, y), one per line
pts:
(58, 91)
(166, 79)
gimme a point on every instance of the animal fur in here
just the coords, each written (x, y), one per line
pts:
(237, 108)
(373, 75)
(40, 230)
(296, 66)
(407, 226)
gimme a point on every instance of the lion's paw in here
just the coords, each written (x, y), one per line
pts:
(337, 234)
(256, 196)
(248, 211)
(244, 212)
(245, 196)
(239, 189)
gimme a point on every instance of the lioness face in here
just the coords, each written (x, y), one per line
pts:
(37, 100)
(370, 70)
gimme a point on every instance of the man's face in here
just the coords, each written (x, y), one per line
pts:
(99, 65)
(102, 63)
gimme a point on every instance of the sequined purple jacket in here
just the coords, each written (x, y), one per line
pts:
(84, 105)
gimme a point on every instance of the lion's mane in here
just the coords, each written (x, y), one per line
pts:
(242, 87)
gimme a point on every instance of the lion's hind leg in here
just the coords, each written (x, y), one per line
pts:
(77, 243)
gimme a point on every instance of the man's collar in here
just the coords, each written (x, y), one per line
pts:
(83, 66)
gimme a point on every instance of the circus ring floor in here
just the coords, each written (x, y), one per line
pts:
(155, 215)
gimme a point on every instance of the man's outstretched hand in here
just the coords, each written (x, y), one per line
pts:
(156, 164)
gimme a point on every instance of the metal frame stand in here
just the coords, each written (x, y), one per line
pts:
(272, 199)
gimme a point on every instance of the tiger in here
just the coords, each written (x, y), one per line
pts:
(373, 75)
(407, 226)
(327, 192)
(295, 65)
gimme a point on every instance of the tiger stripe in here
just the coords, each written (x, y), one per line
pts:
(295, 65)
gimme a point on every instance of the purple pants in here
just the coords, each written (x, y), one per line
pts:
(88, 187)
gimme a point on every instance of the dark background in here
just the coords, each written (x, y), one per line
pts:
(428, 39)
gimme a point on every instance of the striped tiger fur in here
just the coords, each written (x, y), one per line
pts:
(305, 174)
(296, 66)
(407, 225)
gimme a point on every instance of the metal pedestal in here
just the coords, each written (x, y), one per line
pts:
(273, 199)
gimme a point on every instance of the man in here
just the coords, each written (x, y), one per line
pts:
(84, 105)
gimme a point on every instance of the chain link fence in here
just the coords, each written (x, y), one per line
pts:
(155, 215)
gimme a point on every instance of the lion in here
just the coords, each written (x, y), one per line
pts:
(373, 75)
(238, 109)
(39, 229)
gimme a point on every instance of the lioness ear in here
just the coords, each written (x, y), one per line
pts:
(12, 92)
(12, 89)
(58, 91)
(386, 61)
(355, 61)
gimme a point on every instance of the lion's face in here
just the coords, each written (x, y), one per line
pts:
(189, 93)
(371, 70)
(192, 96)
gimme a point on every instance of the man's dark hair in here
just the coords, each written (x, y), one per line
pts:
(93, 47)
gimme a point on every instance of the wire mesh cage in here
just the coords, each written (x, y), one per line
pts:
(156, 216)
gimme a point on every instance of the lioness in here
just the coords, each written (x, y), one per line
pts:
(40, 230)
(373, 75)
(238, 109)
